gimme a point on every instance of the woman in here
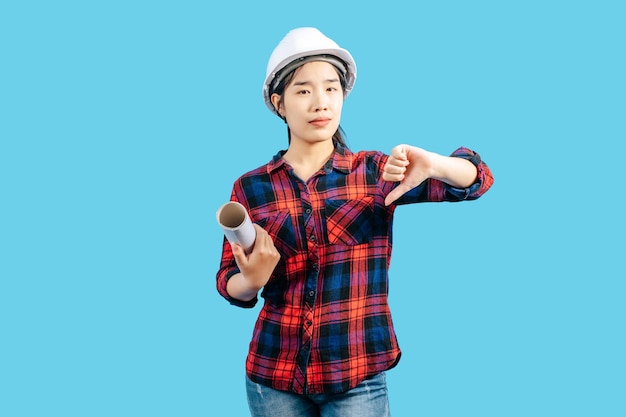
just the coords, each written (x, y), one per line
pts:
(323, 215)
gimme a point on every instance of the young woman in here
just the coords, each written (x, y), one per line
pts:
(323, 215)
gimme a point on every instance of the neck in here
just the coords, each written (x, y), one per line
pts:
(307, 159)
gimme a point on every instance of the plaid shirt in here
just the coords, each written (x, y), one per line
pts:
(325, 325)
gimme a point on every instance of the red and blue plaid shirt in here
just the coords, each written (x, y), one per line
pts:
(325, 325)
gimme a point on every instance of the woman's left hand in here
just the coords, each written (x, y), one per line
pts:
(408, 165)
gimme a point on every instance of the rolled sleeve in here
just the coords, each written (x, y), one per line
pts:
(484, 178)
(227, 269)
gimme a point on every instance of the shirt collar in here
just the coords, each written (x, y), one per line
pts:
(341, 160)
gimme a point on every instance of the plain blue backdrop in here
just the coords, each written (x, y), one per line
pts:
(124, 124)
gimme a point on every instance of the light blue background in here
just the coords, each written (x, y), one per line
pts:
(124, 124)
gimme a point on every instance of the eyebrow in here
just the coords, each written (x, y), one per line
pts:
(330, 80)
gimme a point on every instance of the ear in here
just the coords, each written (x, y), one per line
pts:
(276, 103)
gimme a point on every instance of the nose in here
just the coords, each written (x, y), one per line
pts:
(320, 102)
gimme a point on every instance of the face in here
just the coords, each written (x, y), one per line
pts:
(312, 102)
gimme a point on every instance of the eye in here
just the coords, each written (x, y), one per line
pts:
(302, 91)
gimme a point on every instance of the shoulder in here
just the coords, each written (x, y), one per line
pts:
(264, 169)
(369, 158)
(261, 170)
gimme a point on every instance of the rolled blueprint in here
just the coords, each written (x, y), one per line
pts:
(236, 224)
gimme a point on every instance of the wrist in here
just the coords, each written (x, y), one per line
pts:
(437, 166)
(455, 171)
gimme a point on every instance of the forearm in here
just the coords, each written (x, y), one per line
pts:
(240, 288)
(457, 172)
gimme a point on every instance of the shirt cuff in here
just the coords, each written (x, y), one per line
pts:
(234, 301)
(474, 158)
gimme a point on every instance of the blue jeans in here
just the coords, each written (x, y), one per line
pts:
(368, 399)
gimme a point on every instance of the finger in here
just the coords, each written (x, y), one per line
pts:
(259, 230)
(257, 227)
(264, 245)
(239, 255)
(395, 194)
(263, 238)
(395, 169)
(399, 159)
(393, 177)
(399, 152)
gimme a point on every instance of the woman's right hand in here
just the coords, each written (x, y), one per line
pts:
(257, 267)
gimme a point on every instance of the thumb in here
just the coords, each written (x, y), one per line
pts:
(396, 193)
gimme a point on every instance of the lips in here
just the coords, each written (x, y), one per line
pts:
(320, 121)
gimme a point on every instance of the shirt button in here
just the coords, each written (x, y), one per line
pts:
(309, 322)
(312, 238)
(307, 211)
(311, 293)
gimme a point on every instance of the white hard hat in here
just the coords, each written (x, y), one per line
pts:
(303, 45)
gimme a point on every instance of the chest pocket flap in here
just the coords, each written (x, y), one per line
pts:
(280, 227)
(349, 222)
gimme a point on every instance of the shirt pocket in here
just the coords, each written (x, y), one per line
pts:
(280, 227)
(349, 222)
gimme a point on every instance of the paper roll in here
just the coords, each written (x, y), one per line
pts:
(236, 224)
